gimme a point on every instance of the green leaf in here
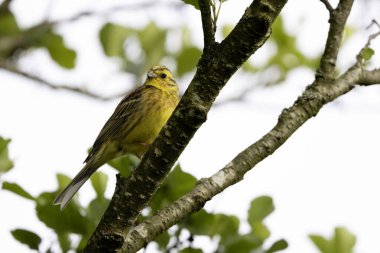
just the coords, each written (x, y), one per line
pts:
(260, 230)
(63, 180)
(180, 181)
(367, 53)
(5, 163)
(82, 244)
(226, 226)
(152, 41)
(95, 210)
(64, 241)
(8, 25)
(99, 183)
(162, 240)
(69, 220)
(112, 37)
(348, 32)
(191, 250)
(27, 237)
(321, 243)
(226, 29)
(204, 223)
(260, 208)
(175, 185)
(343, 241)
(284, 56)
(194, 3)
(277, 246)
(125, 164)
(57, 49)
(242, 244)
(200, 223)
(15, 188)
(187, 59)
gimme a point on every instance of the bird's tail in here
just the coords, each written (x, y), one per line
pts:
(70, 190)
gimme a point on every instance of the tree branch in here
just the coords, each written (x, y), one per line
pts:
(18, 43)
(338, 18)
(129, 7)
(369, 77)
(207, 24)
(214, 69)
(328, 5)
(305, 107)
(46, 83)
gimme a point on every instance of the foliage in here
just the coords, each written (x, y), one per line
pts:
(367, 53)
(150, 43)
(31, 239)
(284, 57)
(15, 40)
(343, 241)
(132, 46)
(5, 163)
(81, 220)
(194, 3)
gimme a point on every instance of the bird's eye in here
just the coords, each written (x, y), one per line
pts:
(163, 75)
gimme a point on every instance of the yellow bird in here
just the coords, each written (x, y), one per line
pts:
(133, 126)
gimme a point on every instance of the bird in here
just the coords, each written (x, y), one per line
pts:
(133, 126)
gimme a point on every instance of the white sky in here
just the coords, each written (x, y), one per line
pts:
(326, 175)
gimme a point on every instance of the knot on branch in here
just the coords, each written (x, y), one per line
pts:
(259, 25)
(197, 114)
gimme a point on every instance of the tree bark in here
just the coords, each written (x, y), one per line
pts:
(216, 66)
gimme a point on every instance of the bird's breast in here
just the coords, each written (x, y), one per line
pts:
(154, 115)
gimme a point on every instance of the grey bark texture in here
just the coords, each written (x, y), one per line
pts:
(117, 231)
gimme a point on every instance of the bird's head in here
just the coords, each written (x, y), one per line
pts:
(162, 78)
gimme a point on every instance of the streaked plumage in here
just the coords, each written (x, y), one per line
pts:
(133, 126)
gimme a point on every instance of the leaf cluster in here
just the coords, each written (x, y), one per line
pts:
(78, 221)
(16, 41)
(75, 224)
(150, 45)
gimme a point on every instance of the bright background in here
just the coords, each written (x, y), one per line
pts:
(326, 175)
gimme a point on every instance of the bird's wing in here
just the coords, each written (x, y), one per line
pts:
(126, 115)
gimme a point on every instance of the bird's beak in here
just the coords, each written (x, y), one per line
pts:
(151, 74)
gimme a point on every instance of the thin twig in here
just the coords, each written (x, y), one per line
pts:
(208, 30)
(373, 22)
(338, 19)
(215, 13)
(46, 83)
(112, 10)
(328, 5)
(360, 57)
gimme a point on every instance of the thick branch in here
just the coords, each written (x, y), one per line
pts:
(305, 107)
(316, 95)
(369, 77)
(214, 70)
(338, 19)
(207, 24)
